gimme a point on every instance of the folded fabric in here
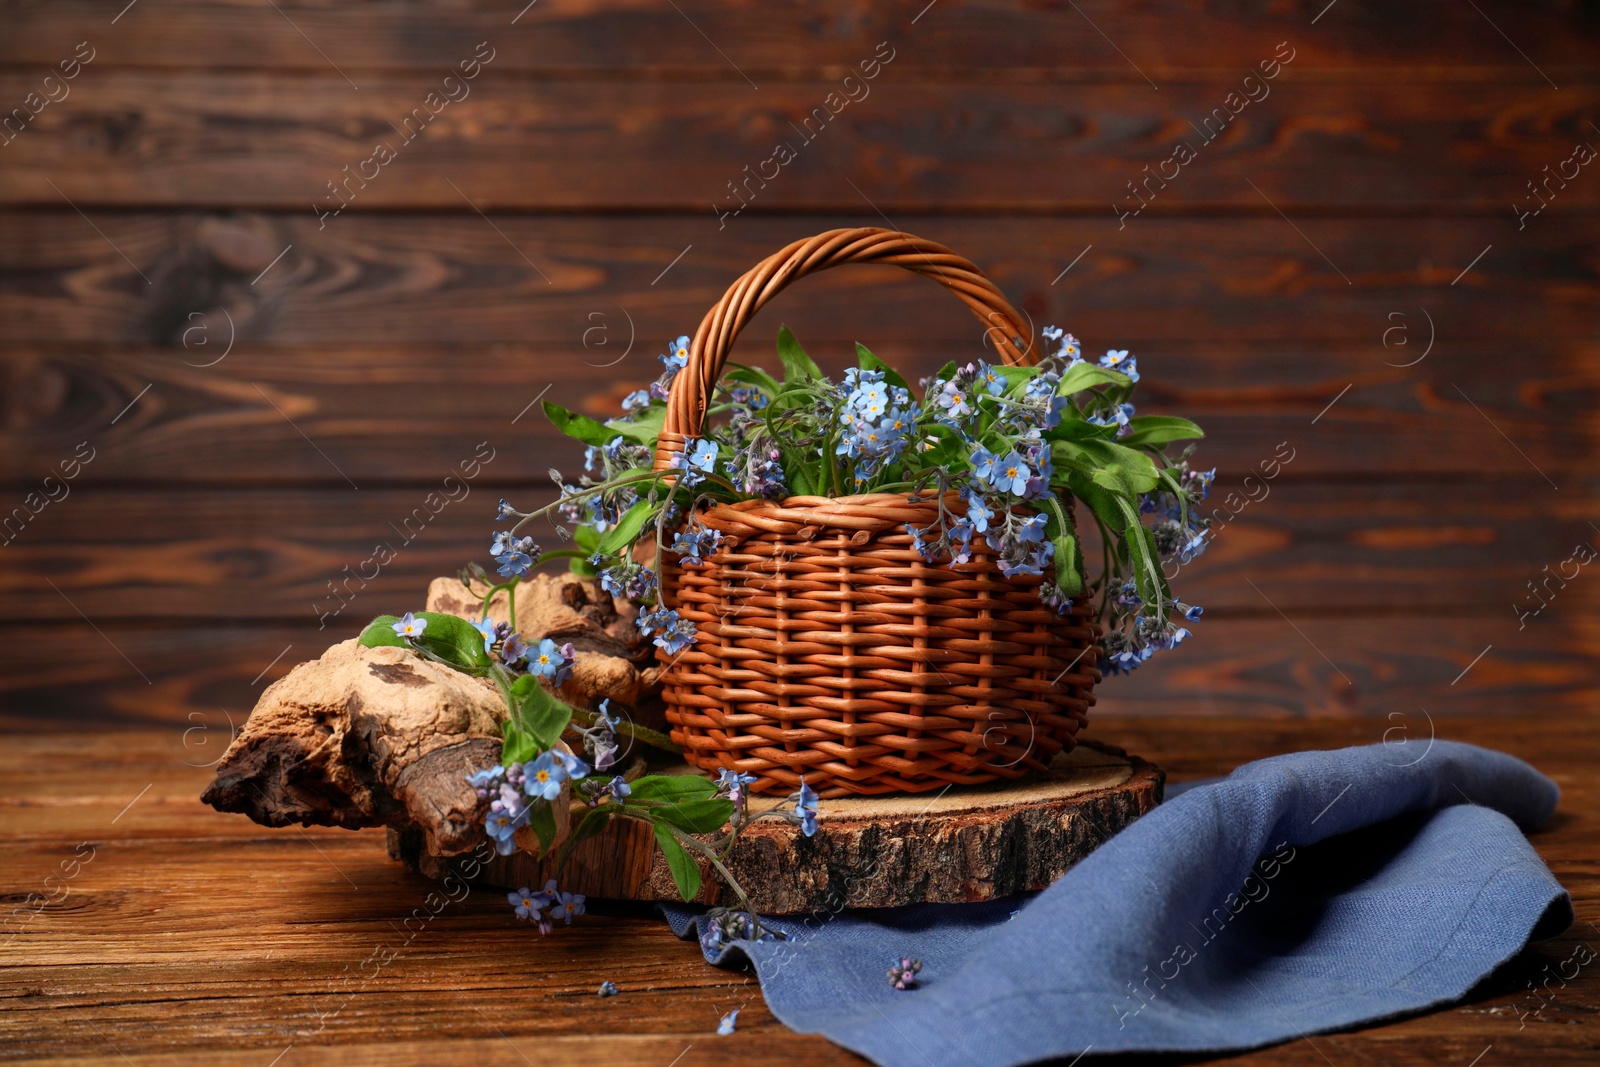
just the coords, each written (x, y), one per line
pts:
(1300, 894)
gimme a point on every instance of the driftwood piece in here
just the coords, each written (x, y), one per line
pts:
(366, 737)
(963, 845)
(381, 737)
(615, 660)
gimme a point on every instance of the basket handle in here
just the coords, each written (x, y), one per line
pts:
(693, 387)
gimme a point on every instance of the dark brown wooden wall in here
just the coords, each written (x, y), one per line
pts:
(1343, 269)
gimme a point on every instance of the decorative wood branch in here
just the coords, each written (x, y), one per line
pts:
(381, 737)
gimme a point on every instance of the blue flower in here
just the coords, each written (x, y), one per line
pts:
(566, 906)
(546, 661)
(1031, 530)
(1117, 359)
(505, 510)
(1069, 349)
(728, 1023)
(502, 827)
(544, 777)
(696, 546)
(704, 455)
(978, 514)
(983, 463)
(576, 769)
(677, 357)
(1192, 612)
(991, 379)
(637, 399)
(607, 989)
(1010, 474)
(1119, 418)
(1128, 598)
(604, 719)
(410, 626)
(619, 789)
(528, 904)
(516, 564)
(671, 632)
(486, 627)
(805, 806)
(734, 783)
(483, 780)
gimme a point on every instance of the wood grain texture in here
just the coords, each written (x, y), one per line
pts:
(202, 675)
(316, 416)
(468, 283)
(157, 950)
(1047, 37)
(209, 139)
(269, 554)
(956, 846)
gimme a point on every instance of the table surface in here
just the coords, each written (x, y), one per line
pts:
(167, 933)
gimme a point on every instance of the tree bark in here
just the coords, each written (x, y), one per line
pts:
(872, 852)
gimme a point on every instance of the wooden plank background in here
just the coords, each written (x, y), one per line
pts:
(267, 394)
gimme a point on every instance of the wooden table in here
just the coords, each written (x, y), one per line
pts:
(175, 935)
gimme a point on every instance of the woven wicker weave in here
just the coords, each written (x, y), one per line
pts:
(828, 648)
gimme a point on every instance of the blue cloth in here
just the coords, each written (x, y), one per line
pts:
(1300, 894)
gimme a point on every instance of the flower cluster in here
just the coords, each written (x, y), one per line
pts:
(670, 631)
(876, 418)
(514, 790)
(1011, 455)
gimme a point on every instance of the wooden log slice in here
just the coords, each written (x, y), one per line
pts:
(964, 844)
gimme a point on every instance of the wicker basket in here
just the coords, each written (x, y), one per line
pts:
(828, 648)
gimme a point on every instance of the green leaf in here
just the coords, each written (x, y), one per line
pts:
(1159, 429)
(801, 482)
(452, 639)
(622, 536)
(675, 788)
(1081, 376)
(587, 538)
(1074, 427)
(380, 634)
(796, 364)
(685, 871)
(739, 372)
(696, 816)
(543, 820)
(1069, 565)
(869, 361)
(643, 426)
(946, 372)
(540, 714)
(1122, 470)
(581, 427)
(519, 745)
(1142, 554)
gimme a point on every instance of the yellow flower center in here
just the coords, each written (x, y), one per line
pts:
(1011, 472)
(543, 776)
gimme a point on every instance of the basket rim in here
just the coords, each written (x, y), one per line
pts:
(860, 513)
